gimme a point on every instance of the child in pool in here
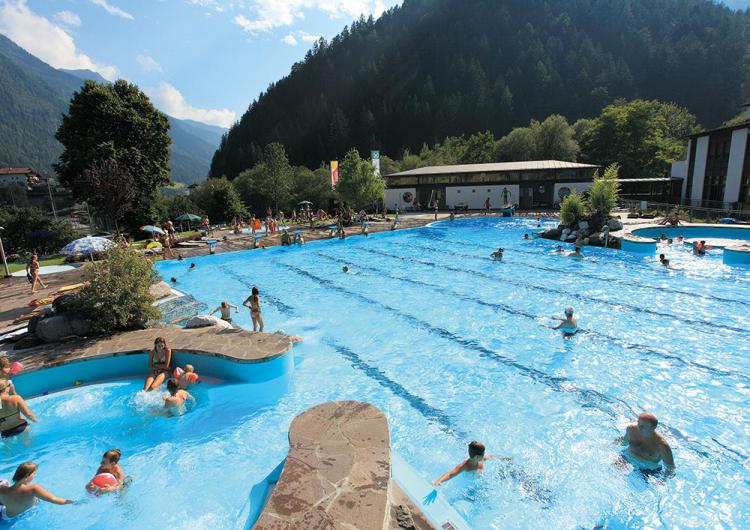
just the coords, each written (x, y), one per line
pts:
(176, 397)
(108, 468)
(186, 377)
(475, 462)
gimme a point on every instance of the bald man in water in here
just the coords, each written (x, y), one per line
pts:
(648, 446)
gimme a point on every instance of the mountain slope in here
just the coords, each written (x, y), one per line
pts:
(33, 97)
(434, 68)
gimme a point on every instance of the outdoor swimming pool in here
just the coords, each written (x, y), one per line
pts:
(451, 347)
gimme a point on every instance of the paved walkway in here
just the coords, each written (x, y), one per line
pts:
(233, 344)
(337, 474)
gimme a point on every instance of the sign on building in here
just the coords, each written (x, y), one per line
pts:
(375, 156)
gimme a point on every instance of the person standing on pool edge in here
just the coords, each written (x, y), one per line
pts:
(647, 447)
(253, 303)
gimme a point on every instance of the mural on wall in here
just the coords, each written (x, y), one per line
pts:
(408, 197)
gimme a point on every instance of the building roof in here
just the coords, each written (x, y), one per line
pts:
(15, 170)
(652, 179)
(531, 165)
(741, 125)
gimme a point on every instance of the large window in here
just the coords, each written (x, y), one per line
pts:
(717, 164)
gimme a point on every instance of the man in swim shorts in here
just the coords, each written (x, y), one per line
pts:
(646, 448)
(475, 462)
(20, 496)
(224, 309)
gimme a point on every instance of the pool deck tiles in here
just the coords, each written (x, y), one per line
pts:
(338, 471)
(233, 344)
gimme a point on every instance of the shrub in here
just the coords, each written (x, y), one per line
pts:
(572, 209)
(117, 295)
(605, 191)
(30, 229)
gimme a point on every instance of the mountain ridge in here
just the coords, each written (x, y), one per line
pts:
(436, 68)
(33, 97)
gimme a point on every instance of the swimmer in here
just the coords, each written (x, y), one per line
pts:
(568, 325)
(13, 409)
(663, 260)
(475, 462)
(663, 237)
(22, 494)
(646, 448)
(108, 466)
(345, 269)
(526, 236)
(177, 396)
(192, 266)
(185, 379)
(173, 279)
(559, 249)
(224, 309)
(669, 241)
(498, 254)
(180, 258)
(577, 254)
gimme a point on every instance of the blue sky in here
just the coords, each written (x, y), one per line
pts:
(200, 59)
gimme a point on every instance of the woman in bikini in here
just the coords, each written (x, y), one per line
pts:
(32, 273)
(159, 361)
(253, 302)
(20, 496)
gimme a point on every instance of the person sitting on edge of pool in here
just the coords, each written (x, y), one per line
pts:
(159, 360)
(224, 309)
(22, 495)
(498, 254)
(475, 462)
(577, 254)
(646, 448)
(109, 477)
(663, 260)
(568, 325)
(177, 396)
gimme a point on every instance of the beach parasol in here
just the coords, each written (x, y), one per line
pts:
(87, 245)
(189, 217)
(151, 228)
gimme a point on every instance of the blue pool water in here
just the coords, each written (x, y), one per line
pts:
(696, 232)
(452, 347)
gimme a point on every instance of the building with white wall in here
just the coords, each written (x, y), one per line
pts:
(22, 176)
(527, 185)
(717, 167)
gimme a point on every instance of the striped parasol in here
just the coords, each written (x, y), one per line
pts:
(87, 245)
(151, 228)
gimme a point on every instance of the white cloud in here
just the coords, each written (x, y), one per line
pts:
(112, 10)
(307, 37)
(167, 98)
(148, 64)
(68, 18)
(270, 14)
(47, 41)
(290, 40)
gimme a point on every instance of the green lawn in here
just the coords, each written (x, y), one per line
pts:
(14, 267)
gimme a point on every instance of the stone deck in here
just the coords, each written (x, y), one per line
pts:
(232, 344)
(337, 474)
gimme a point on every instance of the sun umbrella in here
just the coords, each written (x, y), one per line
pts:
(87, 245)
(151, 228)
(188, 217)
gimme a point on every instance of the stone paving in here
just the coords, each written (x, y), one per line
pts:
(233, 344)
(337, 474)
